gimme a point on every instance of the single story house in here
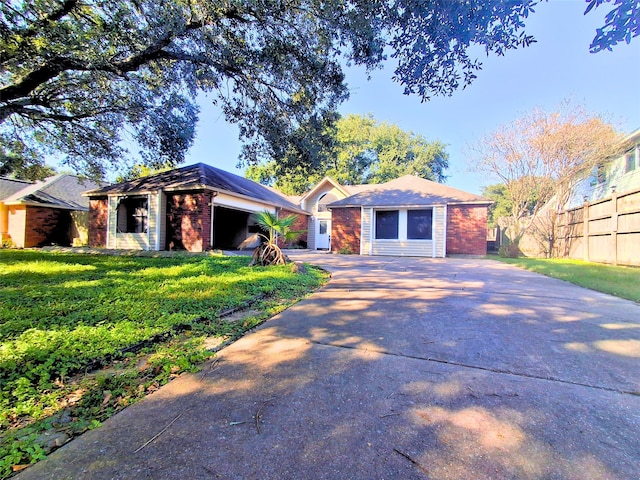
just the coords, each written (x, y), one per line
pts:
(52, 211)
(192, 208)
(200, 207)
(408, 216)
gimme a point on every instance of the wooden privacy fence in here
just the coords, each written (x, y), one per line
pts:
(606, 231)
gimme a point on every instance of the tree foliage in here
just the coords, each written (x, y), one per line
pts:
(88, 81)
(539, 158)
(97, 83)
(622, 23)
(359, 150)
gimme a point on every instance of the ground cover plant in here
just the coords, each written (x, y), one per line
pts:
(68, 322)
(623, 282)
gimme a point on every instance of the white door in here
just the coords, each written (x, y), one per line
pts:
(323, 234)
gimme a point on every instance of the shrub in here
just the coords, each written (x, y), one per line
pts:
(509, 251)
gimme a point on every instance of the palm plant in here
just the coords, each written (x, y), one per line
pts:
(269, 253)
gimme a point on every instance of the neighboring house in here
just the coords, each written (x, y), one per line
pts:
(408, 216)
(192, 208)
(621, 174)
(52, 211)
(201, 207)
(601, 219)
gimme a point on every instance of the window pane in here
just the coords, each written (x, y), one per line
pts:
(323, 227)
(419, 224)
(133, 215)
(631, 161)
(387, 224)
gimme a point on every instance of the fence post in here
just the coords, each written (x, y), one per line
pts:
(614, 224)
(585, 230)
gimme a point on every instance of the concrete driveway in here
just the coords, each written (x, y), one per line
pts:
(398, 369)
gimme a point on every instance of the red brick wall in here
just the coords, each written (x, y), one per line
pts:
(345, 229)
(299, 225)
(189, 221)
(46, 226)
(98, 222)
(466, 230)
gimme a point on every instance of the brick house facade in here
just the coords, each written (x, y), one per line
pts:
(98, 220)
(346, 228)
(49, 212)
(467, 229)
(189, 221)
(194, 208)
(200, 207)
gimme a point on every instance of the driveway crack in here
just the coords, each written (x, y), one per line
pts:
(486, 369)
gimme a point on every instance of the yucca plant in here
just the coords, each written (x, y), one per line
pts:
(269, 253)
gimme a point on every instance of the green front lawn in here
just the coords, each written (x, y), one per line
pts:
(623, 282)
(64, 314)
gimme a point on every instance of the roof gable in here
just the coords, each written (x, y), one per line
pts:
(196, 177)
(320, 185)
(59, 191)
(9, 186)
(409, 191)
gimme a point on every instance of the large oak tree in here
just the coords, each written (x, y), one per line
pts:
(358, 150)
(85, 80)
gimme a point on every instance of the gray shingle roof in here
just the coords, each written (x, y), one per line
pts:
(60, 191)
(409, 191)
(9, 186)
(199, 176)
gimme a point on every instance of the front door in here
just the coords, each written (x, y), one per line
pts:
(323, 235)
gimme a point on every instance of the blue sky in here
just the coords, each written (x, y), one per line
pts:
(556, 68)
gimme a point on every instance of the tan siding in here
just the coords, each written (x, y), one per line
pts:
(367, 216)
(17, 224)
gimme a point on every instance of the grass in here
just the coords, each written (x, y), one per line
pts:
(623, 282)
(62, 314)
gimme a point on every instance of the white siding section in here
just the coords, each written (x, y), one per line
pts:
(152, 221)
(223, 200)
(311, 233)
(404, 247)
(367, 231)
(132, 241)
(439, 230)
(112, 222)
(161, 221)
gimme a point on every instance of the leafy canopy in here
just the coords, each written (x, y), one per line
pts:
(92, 82)
(102, 82)
(359, 150)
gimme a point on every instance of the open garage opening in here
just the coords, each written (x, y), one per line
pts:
(234, 229)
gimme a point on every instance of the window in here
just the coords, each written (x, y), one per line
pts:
(322, 230)
(630, 161)
(325, 200)
(133, 215)
(419, 224)
(387, 224)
